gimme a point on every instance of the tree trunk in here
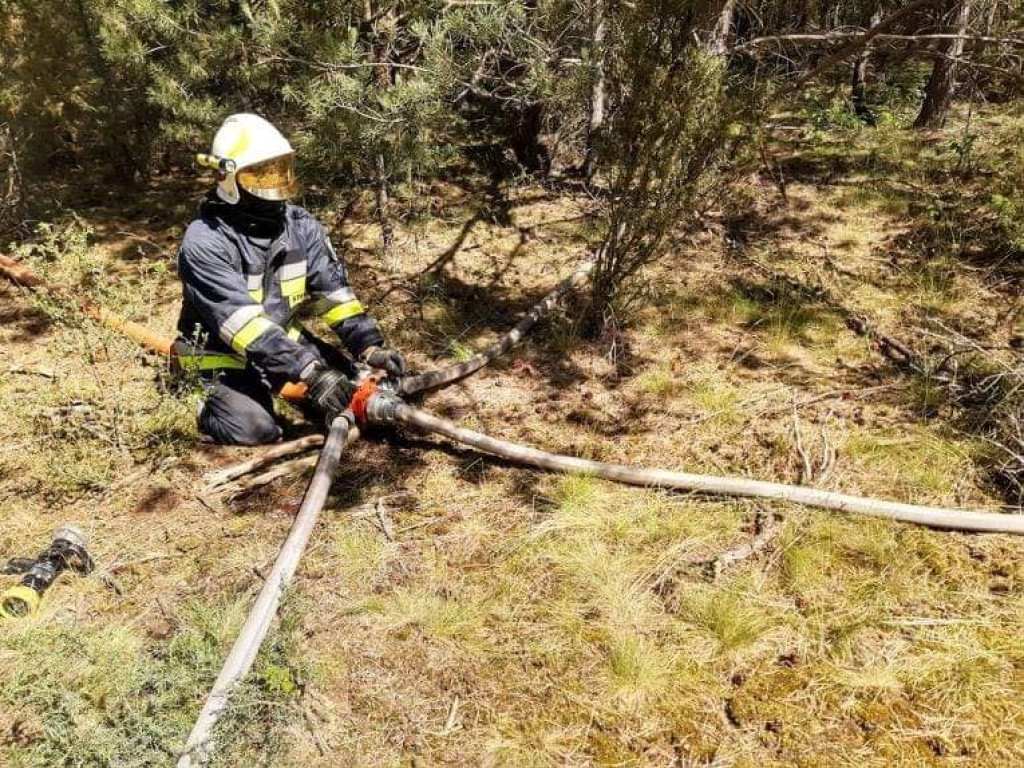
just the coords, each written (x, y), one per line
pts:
(527, 126)
(718, 41)
(12, 191)
(939, 94)
(387, 232)
(597, 86)
(382, 79)
(858, 90)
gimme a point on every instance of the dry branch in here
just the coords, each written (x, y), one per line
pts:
(841, 393)
(806, 471)
(249, 484)
(889, 346)
(830, 36)
(857, 44)
(223, 476)
(766, 528)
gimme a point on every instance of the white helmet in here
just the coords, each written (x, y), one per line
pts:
(251, 153)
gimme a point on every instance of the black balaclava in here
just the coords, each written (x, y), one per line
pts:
(255, 217)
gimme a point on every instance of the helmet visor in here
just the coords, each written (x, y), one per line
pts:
(272, 179)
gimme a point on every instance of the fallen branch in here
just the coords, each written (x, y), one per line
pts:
(383, 521)
(250, 484)
(806, 474)
(766, 528)
(120, 565)
(43, 372)
(891, 347)
(314, 730)
(840, 393)
(223, 476)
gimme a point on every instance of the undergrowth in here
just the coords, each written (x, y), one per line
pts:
(513, 618)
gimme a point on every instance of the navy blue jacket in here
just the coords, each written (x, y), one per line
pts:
(244, 294)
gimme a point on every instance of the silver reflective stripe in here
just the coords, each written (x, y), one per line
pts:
(340, 296)
(291, 271)
(254, 282)
(237, 320)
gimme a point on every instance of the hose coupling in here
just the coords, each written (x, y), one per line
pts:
(382, 407)
(373, 402)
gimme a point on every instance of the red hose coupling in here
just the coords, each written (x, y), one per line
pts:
(361, 399)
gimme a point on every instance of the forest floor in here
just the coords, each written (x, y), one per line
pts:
(512, 618)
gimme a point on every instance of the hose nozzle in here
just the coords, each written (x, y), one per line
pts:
(67, 551)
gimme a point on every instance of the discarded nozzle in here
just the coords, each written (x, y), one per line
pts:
(67, 551)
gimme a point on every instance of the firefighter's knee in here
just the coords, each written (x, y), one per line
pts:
(233, 417)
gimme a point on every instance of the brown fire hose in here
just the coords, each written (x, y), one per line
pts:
(141, 335)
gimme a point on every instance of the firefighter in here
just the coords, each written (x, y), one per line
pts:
(252, 265)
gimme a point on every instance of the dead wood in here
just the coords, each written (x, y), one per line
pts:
(223, 476)
(766, 528)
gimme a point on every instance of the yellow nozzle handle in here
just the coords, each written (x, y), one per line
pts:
(19, 602)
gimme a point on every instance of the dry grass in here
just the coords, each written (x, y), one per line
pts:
(521, 619)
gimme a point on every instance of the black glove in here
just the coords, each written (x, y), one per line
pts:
(389, 360)
(329, 390)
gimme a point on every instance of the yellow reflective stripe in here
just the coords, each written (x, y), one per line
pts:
(256, 294)
(294, 286)
(294, 290)
(249, 333)
(293, 331)
(342, 312)
(210, 361)
(238, 320)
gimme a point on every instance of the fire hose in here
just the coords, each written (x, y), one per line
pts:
(385, 408)
(452, 373)
(144, 337)
(199, 746)
(343, 430)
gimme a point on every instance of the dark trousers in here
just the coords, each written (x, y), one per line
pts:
(239, 410)
(239, 404)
